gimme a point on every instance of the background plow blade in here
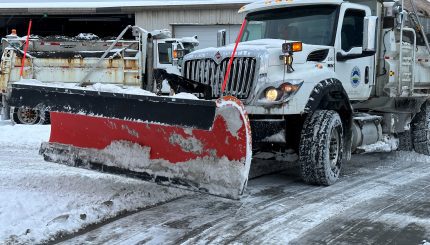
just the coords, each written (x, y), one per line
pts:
(193, 144)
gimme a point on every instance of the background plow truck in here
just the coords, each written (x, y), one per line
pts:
(324, 78)
(87, 58)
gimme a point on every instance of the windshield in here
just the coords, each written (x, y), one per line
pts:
(308, 24)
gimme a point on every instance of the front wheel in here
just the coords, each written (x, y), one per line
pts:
(321, 148)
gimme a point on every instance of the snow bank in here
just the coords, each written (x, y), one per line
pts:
(40, 200)
(22, 136)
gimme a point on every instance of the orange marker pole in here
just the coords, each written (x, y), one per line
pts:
(25, 49)
(227, 74)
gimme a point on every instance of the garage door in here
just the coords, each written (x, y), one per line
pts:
(206, 34)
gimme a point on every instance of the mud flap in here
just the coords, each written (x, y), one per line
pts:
(198, 145)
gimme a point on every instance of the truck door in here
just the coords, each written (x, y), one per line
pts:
(354, 68)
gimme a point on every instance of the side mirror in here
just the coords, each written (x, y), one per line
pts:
(221, 38)
(370, 33)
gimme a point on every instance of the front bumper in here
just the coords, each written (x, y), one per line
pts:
(268, 130)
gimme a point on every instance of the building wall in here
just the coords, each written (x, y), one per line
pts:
(166, 18)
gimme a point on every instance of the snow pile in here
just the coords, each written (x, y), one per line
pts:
(231, 117)
(185, 96)
(387, 144)
(276, 138)
(99, 87)
(41, 201)
(103, 87)
(22, 136)
(87, 36)
(218, 176)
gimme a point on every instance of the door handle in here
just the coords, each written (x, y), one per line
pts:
(366, 75)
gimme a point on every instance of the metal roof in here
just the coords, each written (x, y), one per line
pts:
(61, 4)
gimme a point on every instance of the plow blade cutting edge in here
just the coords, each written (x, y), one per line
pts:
(194, 144)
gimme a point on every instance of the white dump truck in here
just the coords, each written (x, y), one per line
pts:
(326, 78)
(88, 59)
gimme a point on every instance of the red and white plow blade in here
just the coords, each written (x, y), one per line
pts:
(216, 161)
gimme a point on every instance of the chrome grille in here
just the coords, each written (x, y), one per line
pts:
(207, 71)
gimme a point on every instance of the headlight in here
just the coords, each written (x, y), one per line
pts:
(272, 94)
(280, 93)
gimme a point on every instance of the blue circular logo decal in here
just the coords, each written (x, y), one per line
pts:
(355, 77)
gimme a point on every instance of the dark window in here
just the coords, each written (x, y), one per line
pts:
(309, 24)
(165, 53)
(352, 29)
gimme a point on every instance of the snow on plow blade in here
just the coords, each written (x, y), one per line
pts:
(193, 144)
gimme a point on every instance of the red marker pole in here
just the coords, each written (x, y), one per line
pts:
(25, 49)
(227, 74)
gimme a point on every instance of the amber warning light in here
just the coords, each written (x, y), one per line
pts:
(292, 47)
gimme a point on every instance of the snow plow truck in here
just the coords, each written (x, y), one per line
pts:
(85, 58)
(325, 78)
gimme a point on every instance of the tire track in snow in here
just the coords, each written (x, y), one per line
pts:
(260, 216)
(397, 218)
(278, 220)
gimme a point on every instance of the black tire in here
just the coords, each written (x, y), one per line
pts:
(321, 148)
(25, 115)
(420, 130)
(405, 141)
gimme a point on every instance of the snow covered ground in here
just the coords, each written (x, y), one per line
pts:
(381, 198)
(41, 201)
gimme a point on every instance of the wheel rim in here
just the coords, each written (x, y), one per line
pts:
(27, 115)
(334, 148)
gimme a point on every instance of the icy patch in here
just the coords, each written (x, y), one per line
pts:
(402, 220)
(409, 156)
(387, 144)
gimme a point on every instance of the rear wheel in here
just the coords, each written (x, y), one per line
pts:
(421, 130)
(29, 116)
(321, 148)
